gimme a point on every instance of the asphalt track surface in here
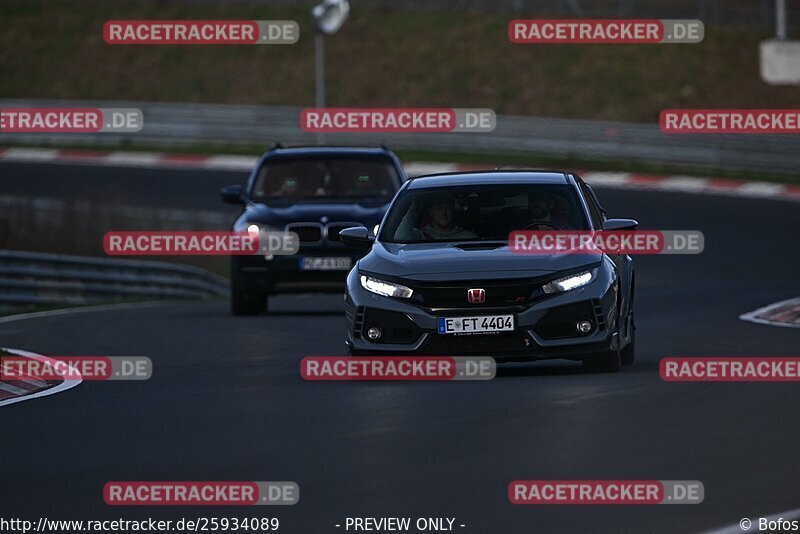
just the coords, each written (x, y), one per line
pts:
(226, 401)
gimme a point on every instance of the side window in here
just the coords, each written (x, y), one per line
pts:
(594, 208)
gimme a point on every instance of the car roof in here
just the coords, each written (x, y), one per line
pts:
(327, 151)
(489, 177)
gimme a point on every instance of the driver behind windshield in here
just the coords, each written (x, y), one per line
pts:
(542, 214)
(441, 212)
(289, 188)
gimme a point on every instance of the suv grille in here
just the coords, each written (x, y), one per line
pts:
(307, 232)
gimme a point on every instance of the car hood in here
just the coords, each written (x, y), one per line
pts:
(437, 261)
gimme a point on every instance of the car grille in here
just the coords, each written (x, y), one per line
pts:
(312, 233)
(507, 292)
(306, 232)
(358, 322)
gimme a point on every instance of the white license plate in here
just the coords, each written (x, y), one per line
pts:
(476, 325)
(340, 263)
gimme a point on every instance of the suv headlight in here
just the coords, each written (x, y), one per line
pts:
(256, 228)
(387, 289)
(567, 283)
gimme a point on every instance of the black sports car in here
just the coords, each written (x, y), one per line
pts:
(440, 279)
(314, 192)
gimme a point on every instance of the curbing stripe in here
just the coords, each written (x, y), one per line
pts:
(760, 316)
(236, 163)
(26, 395)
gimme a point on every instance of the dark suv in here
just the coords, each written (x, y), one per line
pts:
(314, 192)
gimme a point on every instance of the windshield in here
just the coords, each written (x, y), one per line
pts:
(481, 213)
(326, 179)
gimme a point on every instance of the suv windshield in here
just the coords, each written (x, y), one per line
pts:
(481, 213)
(326, 179)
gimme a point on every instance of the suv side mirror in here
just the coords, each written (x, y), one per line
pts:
(232, 194)
(620, 224)
(356, 237)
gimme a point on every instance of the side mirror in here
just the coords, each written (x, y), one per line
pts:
(356, 237)
(620, 224)
(232, 194)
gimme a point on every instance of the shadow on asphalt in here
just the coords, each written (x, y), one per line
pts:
(302, 313)
(563, 367)
(558, 368)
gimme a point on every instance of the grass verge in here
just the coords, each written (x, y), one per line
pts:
(381, 57)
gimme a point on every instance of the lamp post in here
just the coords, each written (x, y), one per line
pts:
(780, 19)
(329, 16)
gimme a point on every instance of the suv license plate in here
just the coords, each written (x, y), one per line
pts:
(340, 263)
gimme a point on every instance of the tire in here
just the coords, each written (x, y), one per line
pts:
(628, 353)
(607, 362)
(246, 298)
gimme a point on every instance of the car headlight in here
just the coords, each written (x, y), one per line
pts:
(387, 289)
(567, 283)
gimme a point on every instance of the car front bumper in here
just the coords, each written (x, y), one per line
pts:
(545, 329)
(283, 274)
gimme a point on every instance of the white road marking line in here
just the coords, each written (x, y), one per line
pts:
(760, 189)
(235, 163)
(607, 178)
(683, 183)
(244, 163)
(753, 315)
(30, 154)
(133, 159)
(422, 167)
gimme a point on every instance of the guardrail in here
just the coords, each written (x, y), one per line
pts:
(176, 125)
(33, 278)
